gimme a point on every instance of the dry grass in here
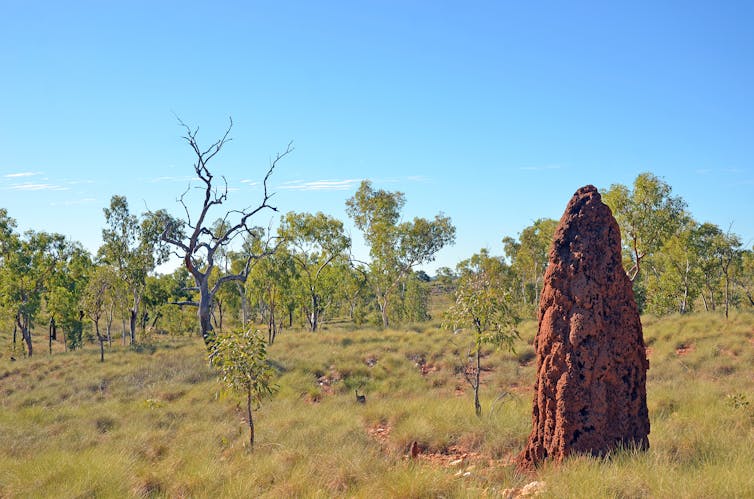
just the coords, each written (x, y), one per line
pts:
(155, 423)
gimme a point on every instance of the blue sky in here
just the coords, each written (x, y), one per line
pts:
(491, 112)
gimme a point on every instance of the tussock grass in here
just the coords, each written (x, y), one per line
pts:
(156, 423)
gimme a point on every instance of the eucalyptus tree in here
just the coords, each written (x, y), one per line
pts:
(192, 237)
(315, 241)
(745, 275)
(414, 298)
(63, 293)
(729, 254)
(9, 243)
(28, 266)
(395, 248)
(648, 216)
(529, 257)
(157, 297)
(352, 285)
(241, 358)
(675, 278)
(131, 246)
(707, 242)
(272, 290)
(94, 302)
(483, 306)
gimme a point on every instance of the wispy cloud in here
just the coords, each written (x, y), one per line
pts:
(419, 178)
(320, 185)
(21, 174)
(249, 182)
(30, 186)
(539, 168)
(75, 202)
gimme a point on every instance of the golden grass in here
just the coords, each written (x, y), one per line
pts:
(155, 422)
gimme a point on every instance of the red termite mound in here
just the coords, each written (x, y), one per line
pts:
(590, 393)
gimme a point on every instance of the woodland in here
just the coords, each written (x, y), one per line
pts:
(138, 377)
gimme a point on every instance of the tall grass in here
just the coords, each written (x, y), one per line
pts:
(156, 423)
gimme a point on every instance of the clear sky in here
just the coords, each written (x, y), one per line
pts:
(492, 112)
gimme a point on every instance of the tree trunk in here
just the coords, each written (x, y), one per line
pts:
(244, 304)
(249, 417)
(134, 316)
(314, 314)
(27, 336)
(110, 314)
(219, 321)
(272, 326)
(205, 313)
(477, 376)
(15, 332)
(382, 302)
(157, 317)
(23, 325)
(101, 341)
(53, 332)
(132, 326)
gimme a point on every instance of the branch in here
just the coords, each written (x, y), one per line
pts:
(185, 303)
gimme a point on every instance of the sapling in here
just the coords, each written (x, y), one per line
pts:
(482, 306)
(241, 358)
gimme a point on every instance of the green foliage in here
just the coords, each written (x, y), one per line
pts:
(414, 299)
(315, 242)
(529, 257)
(241, 359)
(648, 216)
(131, 246)
(395, 248)
(482, 305)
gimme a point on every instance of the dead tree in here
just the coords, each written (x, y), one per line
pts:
(194, 241)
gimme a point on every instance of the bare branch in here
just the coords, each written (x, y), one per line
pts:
(200, 238)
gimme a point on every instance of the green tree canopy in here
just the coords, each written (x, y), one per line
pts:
(395, 248)
(648, 216)
(314, 241)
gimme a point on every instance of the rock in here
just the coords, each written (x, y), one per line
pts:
(532, 489)
(590, 392)
(528, 490)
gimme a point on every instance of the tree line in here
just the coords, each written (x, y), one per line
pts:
(303, 273)
(676, 263)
